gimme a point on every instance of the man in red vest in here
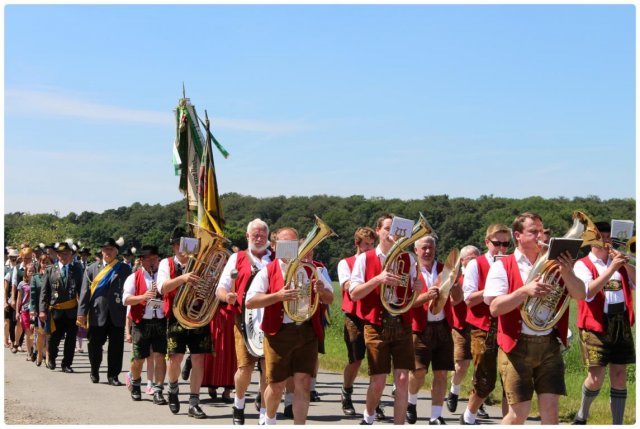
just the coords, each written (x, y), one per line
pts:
(364, 239)
(386, 336)
(247, 263)
(432, 340)
(528, 360)
(290, 349)
(149, 326)
(605, 319)
(484, 348)
(460, 331)
(171, 276)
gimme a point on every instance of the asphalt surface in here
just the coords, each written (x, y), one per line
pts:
(37, 395)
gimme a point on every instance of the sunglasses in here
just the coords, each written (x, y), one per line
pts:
(500, 243)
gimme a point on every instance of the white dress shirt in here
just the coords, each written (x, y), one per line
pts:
(472, 276)
(164, 273)
(129, 289)
(430, 278)
(360, 266)
(583, 273)
(225, 277)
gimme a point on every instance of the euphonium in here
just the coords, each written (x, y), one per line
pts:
(196, 303)
(302, 308)
(542, 313)
(392, 301)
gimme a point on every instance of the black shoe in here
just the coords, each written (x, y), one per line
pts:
(94, 377)
(34, 356)
(158, 399)
(136, 394)
(380, 417)
(113, 381)
(67, 369)
(363, 422)
(347, 406)
(174, 403)
(578, 421)
(412, 414)
(186, 369)
(196, 412)
(313, 396)
(438, 421)
(462, 422)
(51, 365)
(238, 416)
(213, 393)
(452, 402)
(482, 413)
(288, 412)
(258, 402)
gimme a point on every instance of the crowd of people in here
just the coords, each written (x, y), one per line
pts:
(64, 292)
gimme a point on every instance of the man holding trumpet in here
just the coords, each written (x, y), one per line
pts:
(605, 319)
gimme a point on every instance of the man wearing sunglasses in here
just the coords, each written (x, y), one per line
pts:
(483, 327)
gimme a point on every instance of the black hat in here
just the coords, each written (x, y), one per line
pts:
(62, 246)
(603, 226)
(99, 254)
(50, 246)
(177, 233)
(148, 250)
(129, 251)
(110, 242)
(84, 251)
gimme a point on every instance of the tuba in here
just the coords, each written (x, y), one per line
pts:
(398, 303)
(542, 313)
(301, 309)
(196, 303)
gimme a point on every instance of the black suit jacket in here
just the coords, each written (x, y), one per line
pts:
(55, 290)
(110, 302)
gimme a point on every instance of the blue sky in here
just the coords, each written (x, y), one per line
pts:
(374, 100)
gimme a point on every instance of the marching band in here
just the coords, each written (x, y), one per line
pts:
(403, 310)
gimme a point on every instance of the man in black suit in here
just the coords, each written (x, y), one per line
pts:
(101, 300)
(58, 304)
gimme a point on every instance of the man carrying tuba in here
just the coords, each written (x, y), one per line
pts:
(528, 360)
(605, 319)
(290, 348)
(387, 337)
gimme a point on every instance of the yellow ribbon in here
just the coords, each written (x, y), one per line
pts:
(67, 305)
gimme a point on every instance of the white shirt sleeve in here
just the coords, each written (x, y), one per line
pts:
(225, 277)
(324, 276)
(260, 284)
(129, 288)
(163, 274)
(357, 274)
(584, 274)
(497, 282)
(471, 278)
(344, 273)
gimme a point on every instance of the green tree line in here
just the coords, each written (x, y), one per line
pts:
(457, 221)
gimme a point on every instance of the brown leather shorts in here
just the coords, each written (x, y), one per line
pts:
(354, 337)
(485, 361)
(294, 348)
(391, 341)
(461, 343)
(615, 345)
(434, 346)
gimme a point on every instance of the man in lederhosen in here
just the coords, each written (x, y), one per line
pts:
(101, 301)
(59, 305)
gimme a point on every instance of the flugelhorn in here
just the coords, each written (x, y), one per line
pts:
(399, 299)
(542, 313)
(305, 305)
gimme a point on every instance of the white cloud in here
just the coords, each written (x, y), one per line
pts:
(57, 103)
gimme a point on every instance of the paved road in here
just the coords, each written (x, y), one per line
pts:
(38, 395)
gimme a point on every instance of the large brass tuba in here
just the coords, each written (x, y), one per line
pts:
(301, 309)
(196, 303)
(397, 303)
(542, 313)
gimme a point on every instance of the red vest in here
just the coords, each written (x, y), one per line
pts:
(459, 314)
(419, 314)
(348, 306)
(479, 315)
(137, 311)
(274, 314)
(168, 297)
(510, 324)
(370, 308)
(243, 265)
(591, 314)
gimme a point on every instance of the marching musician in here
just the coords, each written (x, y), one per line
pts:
(171, 276)
(364, 239)
(291, 349)
(386, 336)
(101, 308)
(432, 340)
(247, 263)
(605, 319)
(484, 328)
(149, 326)
(59, 305)
(528, 360)
(460, 332)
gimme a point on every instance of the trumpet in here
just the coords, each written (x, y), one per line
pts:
(625, 247)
